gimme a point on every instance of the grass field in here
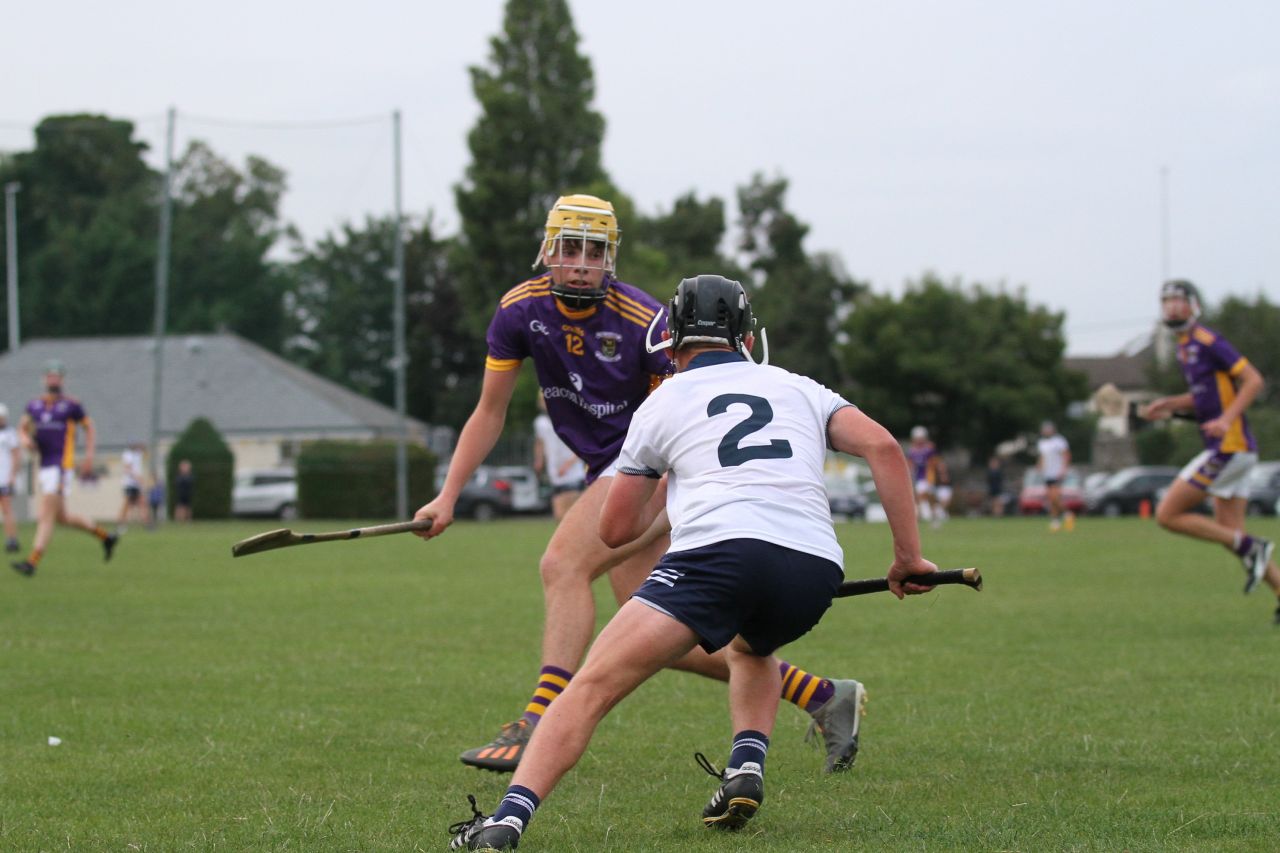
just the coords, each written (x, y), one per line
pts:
(1110, 690)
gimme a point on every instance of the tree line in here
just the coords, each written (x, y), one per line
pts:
(977, 363)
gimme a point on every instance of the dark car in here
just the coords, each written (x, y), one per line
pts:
(1264, 488)
(1033, 499)
(1125, 490)
(846, 498)
(495, 490)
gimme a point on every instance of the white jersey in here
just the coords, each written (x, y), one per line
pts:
(744, 446)
(8, 441)
(131, 461)
(557, 456)
(1053, 456)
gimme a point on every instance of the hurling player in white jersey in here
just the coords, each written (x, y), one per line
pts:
(1053, 459)
(8, 472)
(753, 562)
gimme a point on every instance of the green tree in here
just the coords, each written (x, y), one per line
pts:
(86, 227)
(975, 366)
(225, 222)
(537, 137)
(340, 305)
(664, 248)
(212, 464)
(800, 298)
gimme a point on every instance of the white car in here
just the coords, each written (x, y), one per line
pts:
(271, 493)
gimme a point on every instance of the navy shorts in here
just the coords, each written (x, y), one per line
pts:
(769, 594)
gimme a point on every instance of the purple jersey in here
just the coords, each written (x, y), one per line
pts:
(592, 364)
(55, 420)
(921, 456)
(1210, 364)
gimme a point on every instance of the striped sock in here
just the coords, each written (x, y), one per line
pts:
(748, 747)
(805, 691)
(551, 683)
(1244, 542)
(520, 803)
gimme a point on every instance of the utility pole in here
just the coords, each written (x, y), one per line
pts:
(399, 358)
(1163, 339)
(162, 293)
(11, 258)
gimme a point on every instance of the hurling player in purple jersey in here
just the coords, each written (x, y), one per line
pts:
(48, 428)
(586, 334)
(1223, 383)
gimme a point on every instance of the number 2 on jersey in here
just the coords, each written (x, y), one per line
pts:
(573, 343)
(731, 452)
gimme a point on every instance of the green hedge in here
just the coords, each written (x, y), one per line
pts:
(212, 467)
(344, 479)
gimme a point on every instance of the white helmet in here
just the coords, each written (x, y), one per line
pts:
(919, 433)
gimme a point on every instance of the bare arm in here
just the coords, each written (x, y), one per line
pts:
(631, 506)
(26, 430)
(13, 467)
(478, 436)
(850, 431)
(1162, 407)
(90, 444)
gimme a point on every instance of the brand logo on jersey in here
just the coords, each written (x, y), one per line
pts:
(608, 343)
(576, 380)
(538, 327)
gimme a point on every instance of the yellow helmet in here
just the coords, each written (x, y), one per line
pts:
(584, 219)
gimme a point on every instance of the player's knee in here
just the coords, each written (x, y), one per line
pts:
(558, 569)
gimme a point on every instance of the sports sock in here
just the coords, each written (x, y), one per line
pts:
(805, 691)
(34, 559)
(1244, 542)
(551, 683)
(519, 802)
(100, 532)
(748, 747)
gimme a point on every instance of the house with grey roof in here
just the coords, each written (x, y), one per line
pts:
(263, 405)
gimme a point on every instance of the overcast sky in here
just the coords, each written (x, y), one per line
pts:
(998, 142)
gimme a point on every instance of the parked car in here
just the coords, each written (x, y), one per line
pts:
(846, 497)
(271, 492)
(495, 490)
(1127, 488)
(1033, 498)
(1264, 488)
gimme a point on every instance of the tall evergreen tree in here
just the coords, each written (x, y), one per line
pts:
(537, 138)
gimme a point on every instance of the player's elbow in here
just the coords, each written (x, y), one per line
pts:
(615, 528)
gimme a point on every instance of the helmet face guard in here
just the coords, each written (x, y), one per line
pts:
(581, 234)
(1182, 289)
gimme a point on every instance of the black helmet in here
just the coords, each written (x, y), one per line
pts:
(1188, 291)
(710, 309)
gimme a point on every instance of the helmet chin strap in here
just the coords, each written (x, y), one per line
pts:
(764, 341)
(648, 336)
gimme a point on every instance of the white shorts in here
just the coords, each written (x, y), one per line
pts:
(943, 493)
(924, 487)
(1223, 475)
(54, 480)
(609, 470)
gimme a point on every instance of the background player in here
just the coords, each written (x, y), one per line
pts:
(586, 334)
(924, 459)
(1223, 383)
(8, 477)
(754, 560)
(1053, 458)
(131, 463)
(48, 428)
(553, 459)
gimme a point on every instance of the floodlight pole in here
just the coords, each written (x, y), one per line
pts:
(400, 360)
(11, 258)
(162, 293)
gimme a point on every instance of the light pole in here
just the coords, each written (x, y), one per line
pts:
(11, 258)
